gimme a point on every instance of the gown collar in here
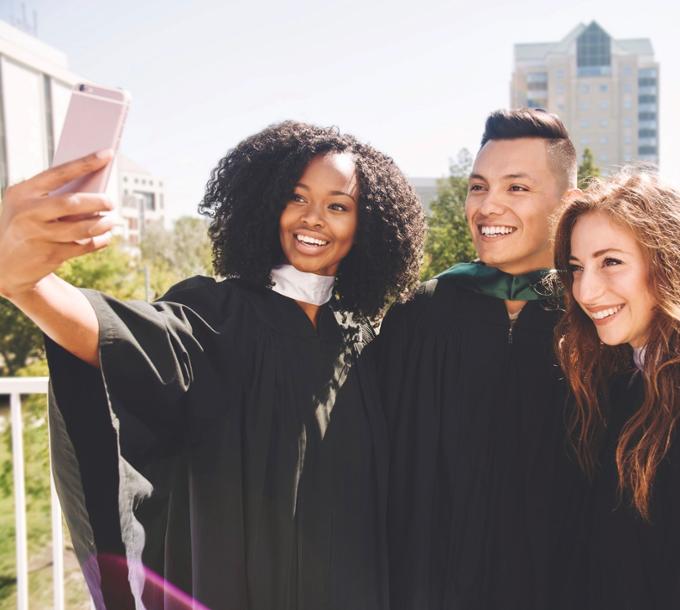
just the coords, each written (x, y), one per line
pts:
(493, 282)
(300, 286)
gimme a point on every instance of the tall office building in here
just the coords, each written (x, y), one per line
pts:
(605, 90)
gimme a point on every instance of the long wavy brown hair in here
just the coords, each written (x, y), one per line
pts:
(637, 200)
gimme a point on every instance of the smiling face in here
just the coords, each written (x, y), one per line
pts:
(513, 191)
(318, 224)
(611, 280)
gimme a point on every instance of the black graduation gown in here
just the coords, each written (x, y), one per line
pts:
(632, 564)
(203, 451)
(480, 488)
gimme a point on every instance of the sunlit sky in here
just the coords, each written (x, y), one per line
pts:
(416, 79)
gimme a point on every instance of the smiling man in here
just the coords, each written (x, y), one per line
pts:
(482, 497)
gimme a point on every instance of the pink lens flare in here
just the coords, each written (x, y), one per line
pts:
(158, 593)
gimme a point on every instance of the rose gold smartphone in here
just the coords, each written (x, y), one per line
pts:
(94, 121)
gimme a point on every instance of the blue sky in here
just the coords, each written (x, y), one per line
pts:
(416, 79)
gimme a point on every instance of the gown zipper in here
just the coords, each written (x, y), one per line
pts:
(510, 329)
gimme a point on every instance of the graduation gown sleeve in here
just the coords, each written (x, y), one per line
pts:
(113, 428)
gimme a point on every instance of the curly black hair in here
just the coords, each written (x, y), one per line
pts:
(252, 183)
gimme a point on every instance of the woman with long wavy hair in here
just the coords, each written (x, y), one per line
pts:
(618, 252)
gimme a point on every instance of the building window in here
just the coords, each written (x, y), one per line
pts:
(647, 73)
(124, 178)
(604, 123)
(537, 77)
(585, 141)
(585, 124)
(604, 104)
(647, 150)
(593, 51)
(604, 140)
(627, 140)
(584, 88)
(628, 87)
(647, 99)
(148, 200)
(560, 89)
(628, 70)
(647, 116)
(537, 86)
(627, 103)
(646, 82)
(604, 87)
(559, 74)
(647, 133)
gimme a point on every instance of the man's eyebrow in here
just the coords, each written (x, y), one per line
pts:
(516, 176)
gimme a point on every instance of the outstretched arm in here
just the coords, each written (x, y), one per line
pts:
(38, 232)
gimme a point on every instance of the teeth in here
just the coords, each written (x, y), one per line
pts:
(495, 230)
(305, 239)
(605, 313)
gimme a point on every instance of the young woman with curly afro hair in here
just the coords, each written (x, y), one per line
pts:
(224, 447)
(250, 187)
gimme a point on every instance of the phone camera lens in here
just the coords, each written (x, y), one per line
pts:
(81, 88)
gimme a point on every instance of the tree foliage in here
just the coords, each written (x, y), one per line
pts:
(448, 239)
(177, 254)
(587, 170)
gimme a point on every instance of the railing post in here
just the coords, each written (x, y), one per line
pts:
(57, 548)
(19, 501)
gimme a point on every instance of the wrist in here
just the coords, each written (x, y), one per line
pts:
(26, 292)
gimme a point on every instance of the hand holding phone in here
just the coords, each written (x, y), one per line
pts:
(94, 121)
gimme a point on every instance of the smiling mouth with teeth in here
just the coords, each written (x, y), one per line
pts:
(310, 241)
(604, 314)
(495, 231)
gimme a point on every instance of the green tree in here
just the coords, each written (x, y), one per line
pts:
(587, 170)
(176, 254)
(448, 239)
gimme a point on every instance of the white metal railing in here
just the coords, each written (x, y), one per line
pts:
(15, 387)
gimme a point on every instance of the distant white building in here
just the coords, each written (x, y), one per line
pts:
(35, 89)
(426, 189)
(142, 199)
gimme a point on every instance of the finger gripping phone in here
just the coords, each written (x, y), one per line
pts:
(94, 121)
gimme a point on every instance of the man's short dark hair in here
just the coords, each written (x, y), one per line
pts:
(536, 123)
